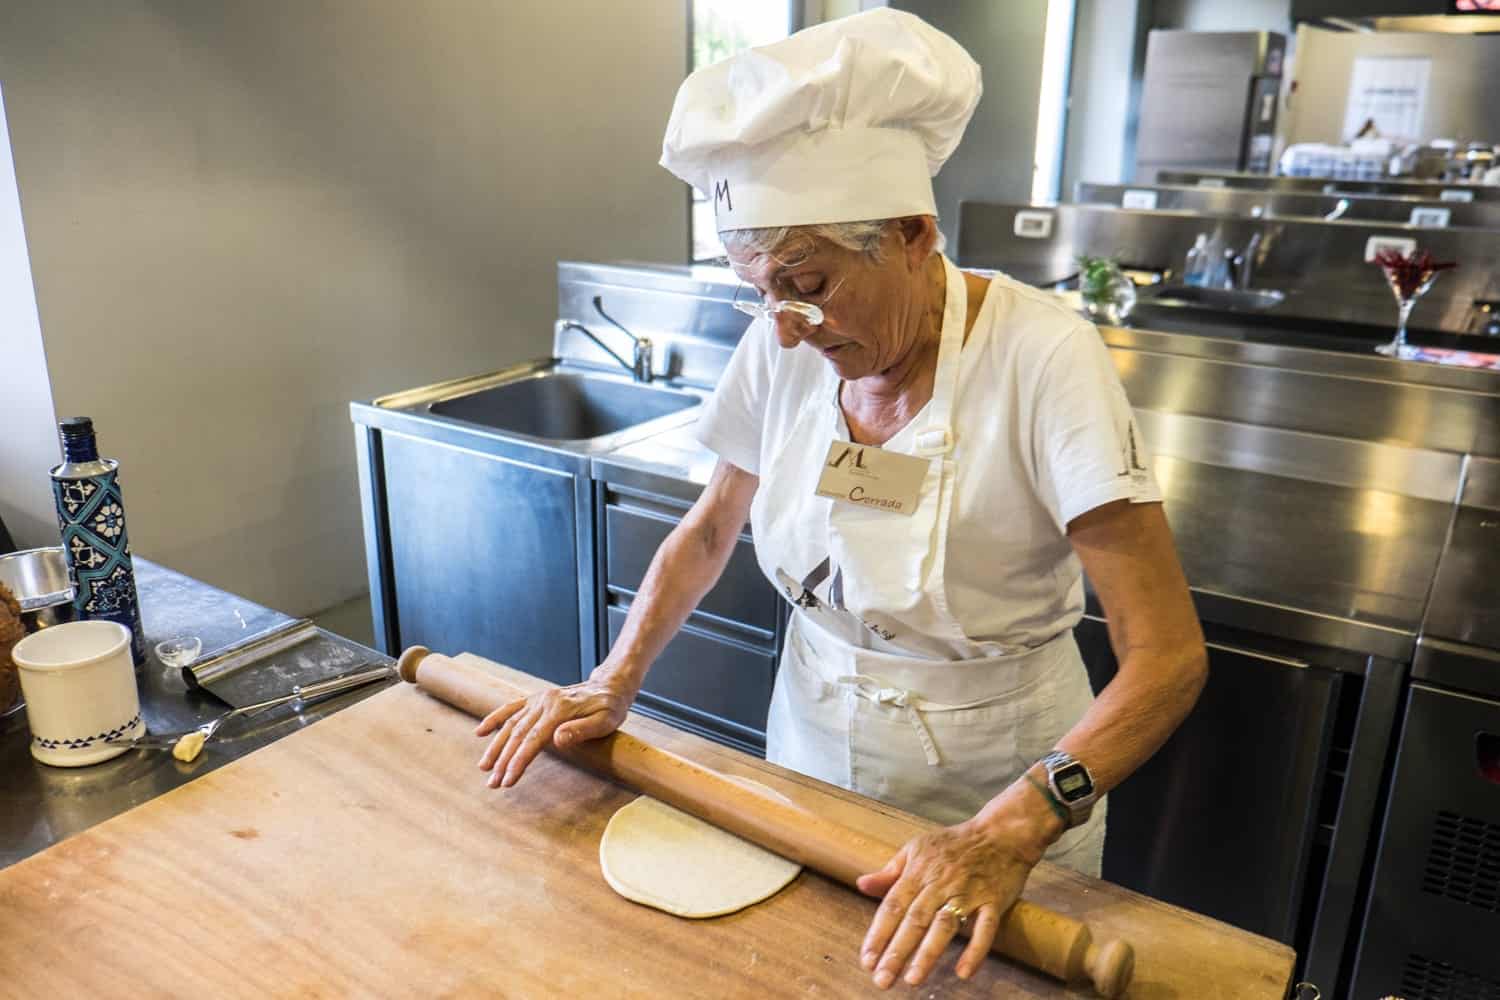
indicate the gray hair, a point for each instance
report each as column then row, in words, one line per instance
column 861, row 237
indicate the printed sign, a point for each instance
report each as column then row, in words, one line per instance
column 1390, row 91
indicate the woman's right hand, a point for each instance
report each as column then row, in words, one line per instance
column 562, row 716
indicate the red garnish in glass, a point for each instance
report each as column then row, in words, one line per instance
column 1407, row 274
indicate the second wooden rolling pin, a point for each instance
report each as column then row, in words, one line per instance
column 1033, row 935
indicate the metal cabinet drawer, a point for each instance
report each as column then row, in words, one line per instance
column 724, row 686
column 742, row 595
column 1433, row 918
column 1222, row 819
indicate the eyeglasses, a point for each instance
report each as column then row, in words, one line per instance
column 811, row 314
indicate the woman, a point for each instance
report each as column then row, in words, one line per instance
column 928, row 460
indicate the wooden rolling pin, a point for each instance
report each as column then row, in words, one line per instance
column 1033, row 935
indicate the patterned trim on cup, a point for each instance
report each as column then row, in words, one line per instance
column 84, row 744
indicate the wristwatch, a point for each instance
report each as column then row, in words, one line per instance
column 1072, row 785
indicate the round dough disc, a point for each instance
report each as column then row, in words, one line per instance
column 660, row 856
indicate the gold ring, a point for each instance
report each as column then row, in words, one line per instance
column 956, row 910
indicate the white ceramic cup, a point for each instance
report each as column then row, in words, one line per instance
column 79, row 683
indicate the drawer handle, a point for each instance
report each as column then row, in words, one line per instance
column 1255, row 654
column 1487, row 749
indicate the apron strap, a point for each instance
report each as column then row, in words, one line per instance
column 883, row 692
column 872, row 689
column 936, row 438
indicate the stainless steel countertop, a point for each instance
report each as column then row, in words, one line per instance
column 1305, row 561
column 1311, row 561
column 1465, row 605
column 41, row 805
column 1355, row 339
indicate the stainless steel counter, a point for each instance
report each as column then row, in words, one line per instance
column 1465, row 606
column 1303, row 560
column 41, row 805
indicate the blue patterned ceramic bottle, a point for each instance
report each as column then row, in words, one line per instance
column 92, row 518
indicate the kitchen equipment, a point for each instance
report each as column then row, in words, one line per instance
column 1209, row 101
column 300, row 693
column 1433, row 912
column 79, row 685
column 270, row 663
column 1030, row 934
column 488, row 892
column 561, row 406
column 39, row 580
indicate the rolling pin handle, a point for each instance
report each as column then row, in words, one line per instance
column 1110, row 966
column 410, row 658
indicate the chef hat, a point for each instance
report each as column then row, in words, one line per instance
column 841, row 122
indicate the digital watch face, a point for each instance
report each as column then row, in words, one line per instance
column 1073, row 782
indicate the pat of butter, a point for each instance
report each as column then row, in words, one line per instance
column 189, row 747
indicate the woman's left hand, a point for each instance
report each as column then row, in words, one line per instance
column 970, row 866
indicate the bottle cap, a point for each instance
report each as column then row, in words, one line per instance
column 78, row 439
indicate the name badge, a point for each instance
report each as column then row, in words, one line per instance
column 873, row 477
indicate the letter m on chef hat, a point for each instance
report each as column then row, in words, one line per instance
column 842, row 122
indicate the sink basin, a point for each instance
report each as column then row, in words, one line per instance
column 568, row 407
column 1230, row 299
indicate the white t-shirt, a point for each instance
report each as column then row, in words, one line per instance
column 1043, row 433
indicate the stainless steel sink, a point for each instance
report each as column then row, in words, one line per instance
column 575, row 408
column 1227, row 299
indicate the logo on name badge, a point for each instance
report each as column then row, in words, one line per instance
column 721, row 194
column 857, row 453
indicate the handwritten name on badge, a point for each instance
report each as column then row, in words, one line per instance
column 872, row 477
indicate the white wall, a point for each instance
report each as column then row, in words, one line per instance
column 27, row 445
column 243, row 214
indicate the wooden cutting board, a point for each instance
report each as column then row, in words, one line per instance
column 363, row 856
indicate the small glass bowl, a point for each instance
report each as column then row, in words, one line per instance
column 179, row 651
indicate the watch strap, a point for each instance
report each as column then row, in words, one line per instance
column 1060, row 810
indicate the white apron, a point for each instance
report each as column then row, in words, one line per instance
column 852, row 705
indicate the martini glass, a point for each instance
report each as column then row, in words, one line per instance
column 1408, row 278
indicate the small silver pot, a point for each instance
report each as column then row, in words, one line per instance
column 39, row 580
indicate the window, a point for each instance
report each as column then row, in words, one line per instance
column 720, row 28
column 1052, row 107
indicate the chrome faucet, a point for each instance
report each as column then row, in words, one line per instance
column 639, row 366
column 1337, row 212
column 1243, row 271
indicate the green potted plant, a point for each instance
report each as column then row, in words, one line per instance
column 1108, row 294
